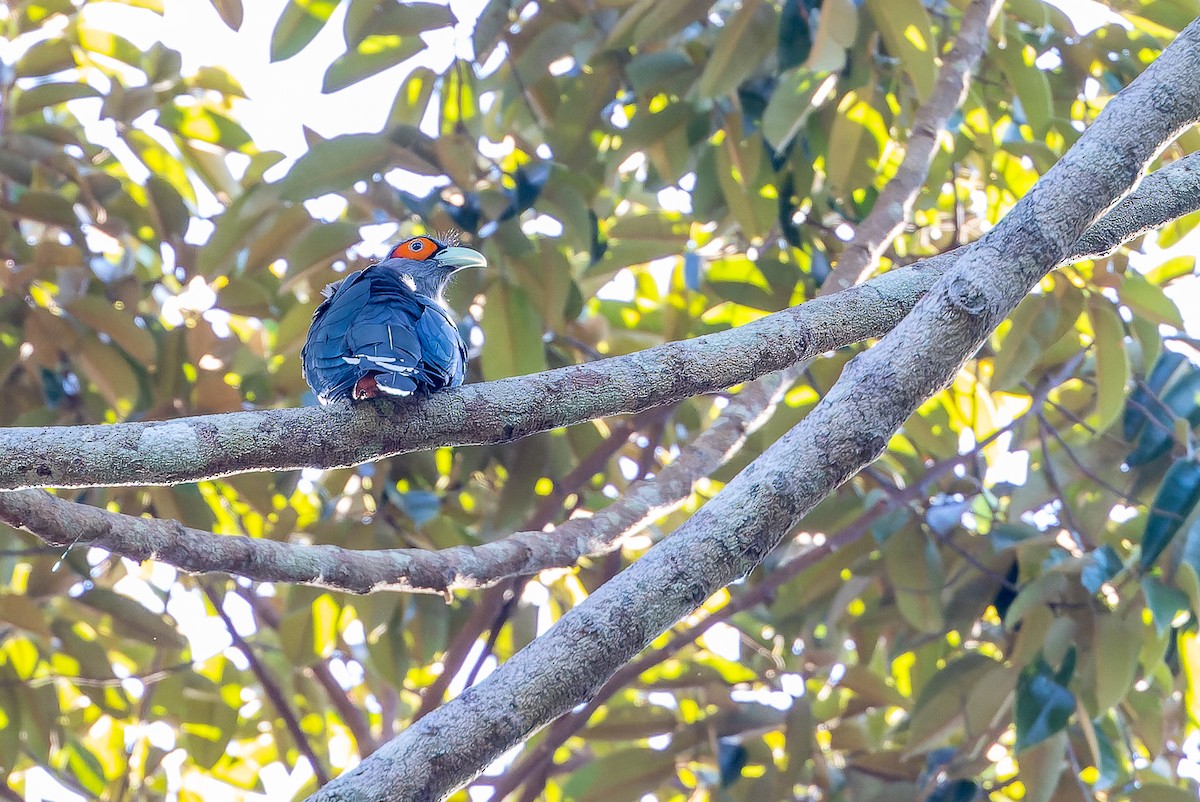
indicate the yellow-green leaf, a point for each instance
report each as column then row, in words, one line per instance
column 1149, row 301
column 44, row 58
column 512, row 334
column 39, row 97
column 298, row 25
column 908, row 34
column 1116, row 662
column 1112, row 361
column 373, row 55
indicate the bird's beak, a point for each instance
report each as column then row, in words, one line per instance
column 459, row 258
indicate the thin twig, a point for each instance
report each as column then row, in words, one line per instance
column 270, row 688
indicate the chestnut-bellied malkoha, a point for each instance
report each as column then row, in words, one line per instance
column 386, row 330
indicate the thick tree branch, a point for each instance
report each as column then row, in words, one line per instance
column 895, row 203
column 207, row 446
column 733, row 532
column 63, row 523
column 890, row 211
column 202, row 447
column 762, row 592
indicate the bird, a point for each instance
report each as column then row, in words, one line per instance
column 386, row 330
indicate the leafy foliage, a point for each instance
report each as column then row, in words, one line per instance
column 636, row 172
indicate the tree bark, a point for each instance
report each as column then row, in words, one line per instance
column 731, row 534
column 1164, row 195
column 208, row 446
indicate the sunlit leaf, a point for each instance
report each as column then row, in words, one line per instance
column 372, row 55
column 44, row 95
column 230, row 11
column 298, row 25
column 908, row 33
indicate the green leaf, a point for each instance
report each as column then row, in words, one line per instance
column 836, row 32
column 109, row 44
column 230, row 11
column 336, row 164
column 23, row 612
column 45, row 58
column 203, row 124
column 45, row 95
column 373, row 55
column 1044, row 705
column 109, row 372
column 1149, row 301
column 627, row 774
column 512, row 334
column 861, row 135
column 298, row 25
column 1173, row 503
column 727, row 66
column 1112, row 362
column 169, row 206
column 1157, row 792
column 1031, row 328
column 412, row 100
column 100, row 315
column 630, row 722
column 217, row 80
column 914, row 568
column 1145, row 395
column 797, row 94
column 1116, row 663
column 1171, row 269
column 1042, row 766
column 795, row 35
column 209, row 723
column 1031, row 84
column 85, row 768
column 246, row 296
column 45, row 207
column 406, row 19
column 1181, row 400
column 937, row 715
column 320, row 243
column 1010, row 535
column 908, row 34
column 1188, row 643
column 324, row 625
column 131, row 619
column 1164, row 601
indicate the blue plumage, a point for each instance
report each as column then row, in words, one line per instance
column 378, row 333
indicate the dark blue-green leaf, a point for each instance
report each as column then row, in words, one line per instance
column 1044, row 705
column 1173, row 503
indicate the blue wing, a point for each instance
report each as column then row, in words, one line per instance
column 374, row 324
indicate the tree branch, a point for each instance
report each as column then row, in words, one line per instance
column 207, row 446
column 761, row 593
column 850, row 427
column 895, row 203
column 352, row 715
column 62, row 523
column 271, row 688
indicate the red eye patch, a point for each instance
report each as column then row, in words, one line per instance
column 415, row 248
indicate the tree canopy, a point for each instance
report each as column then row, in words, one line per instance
column 699, row 218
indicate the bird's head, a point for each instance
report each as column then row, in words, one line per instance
column 430, row 263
